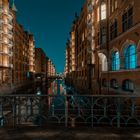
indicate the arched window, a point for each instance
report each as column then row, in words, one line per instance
column 114, row 84
column 115, row 61
column 103, row 62
column 103, row 11
column 128, row 85
column 130, row 57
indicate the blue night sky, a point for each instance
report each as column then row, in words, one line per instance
column 50, row 22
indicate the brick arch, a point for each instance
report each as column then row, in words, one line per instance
column 138, row 46
column 103, row 61
column 138, row 53
column 113, row 50
column 123, row 46
column 126, row 44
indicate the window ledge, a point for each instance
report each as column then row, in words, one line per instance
column 124, row 33
column 124, row 70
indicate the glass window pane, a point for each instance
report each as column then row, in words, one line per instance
column 130, row 57
column 115, row 61
column 103, row 11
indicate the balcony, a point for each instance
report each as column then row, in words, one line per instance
column 9, row 43
column 5, row 52
column 7, row 13
column 4, row 65
column 8, row 34
column 8, row 24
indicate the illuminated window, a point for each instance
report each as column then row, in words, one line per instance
column 115, row 61
column 111, row 6
column 103, row 62
column 83, row 37
column 116, row 4
column 98, row 14
column 1, row 59
column 103, row 11
column 97, row 1
column 130, row 57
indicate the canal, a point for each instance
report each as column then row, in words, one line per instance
column 57, row 87
column 61, row 105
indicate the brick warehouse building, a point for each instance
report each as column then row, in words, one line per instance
column 16, row 50
column 80, row 58
column 40, row 62
column 123, row 52
column 112, row 61
column 43, row 65
column 44, row 69
column 51, row 71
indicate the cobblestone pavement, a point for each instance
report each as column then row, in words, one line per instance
column 36, row 133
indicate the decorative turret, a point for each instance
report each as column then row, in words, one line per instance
column 14, row 6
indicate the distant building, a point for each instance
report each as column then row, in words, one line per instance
column 43, row 65
column 51, row 69
column 40, row 62
column 80, row 58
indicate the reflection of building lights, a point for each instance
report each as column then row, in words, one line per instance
column 38, row 92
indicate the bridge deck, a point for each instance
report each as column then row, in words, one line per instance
column 34, row 133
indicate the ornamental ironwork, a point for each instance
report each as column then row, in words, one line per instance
column 70, row 110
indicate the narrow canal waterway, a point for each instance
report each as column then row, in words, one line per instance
column 57, row 87
column 62, row 106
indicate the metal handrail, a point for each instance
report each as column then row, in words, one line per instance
column 70, row 110
column 96, row 96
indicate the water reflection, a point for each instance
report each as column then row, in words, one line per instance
column 57, row 87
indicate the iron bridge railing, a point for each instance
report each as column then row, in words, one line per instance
column 70, row 110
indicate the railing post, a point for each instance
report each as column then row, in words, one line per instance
column 133, row 108
column 118, row 112
column 19, row 110
column 1, row 113
column 31, row 106
column 14, row 112
column 26, row 108
column 52, row 110
column 92, row 111
column 66, row 112
column 105, row 107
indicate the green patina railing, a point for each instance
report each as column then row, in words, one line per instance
column 70, row 110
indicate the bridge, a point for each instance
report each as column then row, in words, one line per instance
column 70, row 110
column 53, row 78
